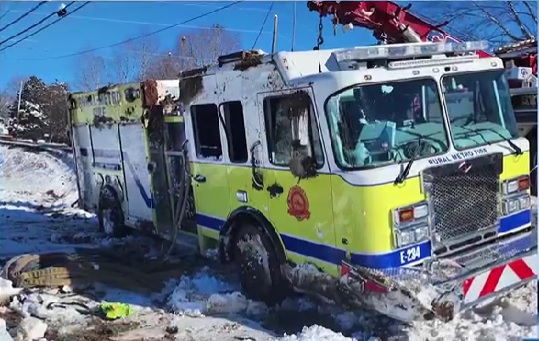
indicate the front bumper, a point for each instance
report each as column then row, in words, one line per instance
column 444, row 287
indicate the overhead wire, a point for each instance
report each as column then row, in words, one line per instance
column 139, row 36
column 263, row 24
column 44, row 27
column 41, row 3
column 36, row 24
column 5, row 13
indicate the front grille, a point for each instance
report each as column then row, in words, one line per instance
column 463, row 203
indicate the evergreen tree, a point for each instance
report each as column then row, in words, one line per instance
column 31, row 121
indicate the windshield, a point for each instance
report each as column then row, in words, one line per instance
column 479, row 108
column 377, row 124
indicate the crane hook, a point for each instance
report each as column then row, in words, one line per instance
column 320, row 40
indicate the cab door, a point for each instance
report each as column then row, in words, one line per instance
column 300, row 209
column 210, row 182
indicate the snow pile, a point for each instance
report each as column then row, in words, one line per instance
column 4, row 335
column 7, row 290
column 204, row 293
column 317, row 333
column 36, row 178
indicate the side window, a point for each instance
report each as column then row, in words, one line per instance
column 235, row 130
column 278, row 114
column 206, row 131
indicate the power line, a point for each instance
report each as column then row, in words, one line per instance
column 133, row 22
column 41, row 3
column 36, row 24
column 139, row 36
column 263, row 24
column 44, row 27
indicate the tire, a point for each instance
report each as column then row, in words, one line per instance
column 259, row 268
column 110, row 215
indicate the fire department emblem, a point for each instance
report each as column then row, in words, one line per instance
column 465, row 167
column 298, row 204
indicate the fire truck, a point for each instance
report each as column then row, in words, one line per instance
column 386, row 177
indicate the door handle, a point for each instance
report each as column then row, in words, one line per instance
column 200, row 178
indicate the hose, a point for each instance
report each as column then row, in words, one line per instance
column 179, row 211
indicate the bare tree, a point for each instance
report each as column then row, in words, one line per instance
column 195, row 48
column 167, row 66
column 132, row 60
column 498, row 22
column 141, row 59
column 203, row 46
column 91, row 72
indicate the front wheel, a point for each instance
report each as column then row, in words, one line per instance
column 110, row 215
column 260, row 272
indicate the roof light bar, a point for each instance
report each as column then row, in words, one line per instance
column 400, row 51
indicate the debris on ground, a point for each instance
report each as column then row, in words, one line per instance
column 115, row 310
column 30, row 328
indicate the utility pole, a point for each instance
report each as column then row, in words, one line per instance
column 18, row 110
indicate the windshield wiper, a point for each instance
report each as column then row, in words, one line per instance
column 516, row 148
column 404, row 173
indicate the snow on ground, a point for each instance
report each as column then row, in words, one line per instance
column 36, row 193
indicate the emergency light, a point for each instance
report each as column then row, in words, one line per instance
column 401, row 51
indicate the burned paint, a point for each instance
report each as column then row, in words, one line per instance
column 155, row 126
column 298, row 104
column 109, row 102
column 149, row 88
column 275, row 190
column 99, row 120
column 189, row 88
column 194, row 72
column 248, row 60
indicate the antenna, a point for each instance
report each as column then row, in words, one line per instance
column 274, row 44
column 294, row 27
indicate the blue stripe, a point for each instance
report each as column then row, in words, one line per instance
column 395, row 258
column 334, row 255
column 209, row 222
column 304, row 247
column 514, row 221
column 148, row 199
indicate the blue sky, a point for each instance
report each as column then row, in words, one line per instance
column 106, row 22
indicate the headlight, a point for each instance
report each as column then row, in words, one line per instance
column 514, row 185
column 515, row 204
column 412, row 235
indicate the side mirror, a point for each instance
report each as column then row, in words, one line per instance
column 301, row 164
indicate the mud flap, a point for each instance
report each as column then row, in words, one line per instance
column 406, row 297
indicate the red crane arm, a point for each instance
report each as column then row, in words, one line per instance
column 388, row 21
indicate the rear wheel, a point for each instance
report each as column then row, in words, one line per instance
column 110, row 215
column 259, row 267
